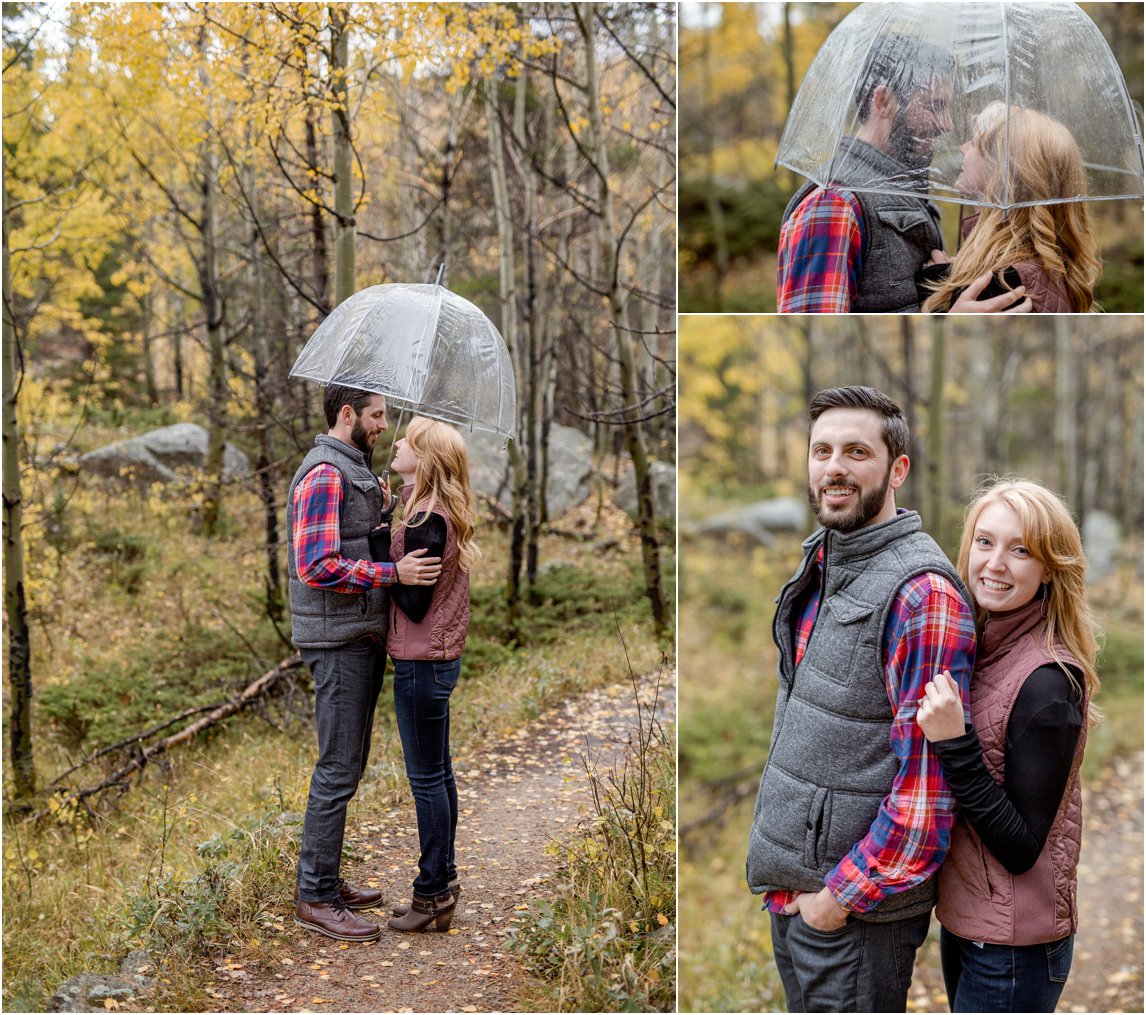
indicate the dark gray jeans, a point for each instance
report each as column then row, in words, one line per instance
column 347, row 681
column 860, row 967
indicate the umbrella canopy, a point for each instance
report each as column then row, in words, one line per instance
column 423, row 347
column 955, row 70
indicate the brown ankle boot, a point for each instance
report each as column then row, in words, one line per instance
column 426, row 913
column 335, row 920
column 455, row 891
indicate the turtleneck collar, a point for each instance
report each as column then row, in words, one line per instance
column 1001, row 630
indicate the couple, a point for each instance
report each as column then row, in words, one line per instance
column 874, row 779
column 843, row 251
column 348, row 607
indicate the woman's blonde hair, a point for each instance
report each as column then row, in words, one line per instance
column 443, row 478
column 1044, row 163
column 1052, row 538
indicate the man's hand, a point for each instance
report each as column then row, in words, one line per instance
column 819, row 910
column 940, row 714
column 968, row 303
column 417, row 569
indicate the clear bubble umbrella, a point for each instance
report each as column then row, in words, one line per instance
column 425, row 348
column 955, row 70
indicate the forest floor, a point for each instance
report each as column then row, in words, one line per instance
column 516, row 798
column 1106, row 975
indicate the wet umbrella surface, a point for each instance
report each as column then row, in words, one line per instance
column 918, row 80
column 423, row 347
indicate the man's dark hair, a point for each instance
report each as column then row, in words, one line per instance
column 854, row 396
column 335, row 396
column 904, row 64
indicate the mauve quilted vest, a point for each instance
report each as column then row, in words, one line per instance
column 441, row 634
column 979, row 899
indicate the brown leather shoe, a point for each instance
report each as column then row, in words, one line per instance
column 354, row 897
column 335, row 920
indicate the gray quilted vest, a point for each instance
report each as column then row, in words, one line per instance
column 900, row 229
column 321, row 618
column 830, row 764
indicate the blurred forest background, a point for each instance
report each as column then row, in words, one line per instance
column 741, row 65
column 189, row 189
column 1057, row 400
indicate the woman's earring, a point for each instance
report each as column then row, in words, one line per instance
column 1045, row 589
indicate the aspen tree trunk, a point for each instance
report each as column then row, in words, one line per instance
column 507, row 291
column 264, row 402
column 936, row 491
column 1066, row 453
column 909, row 495
column 534, row 392
column 344, row 224
column 15, row 606
column 217, row 389
column 320, row 260
column 609, row 245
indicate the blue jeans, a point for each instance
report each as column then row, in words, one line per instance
column 987, row 977
column 863, row 966
column 422, row 690
column 347, row 681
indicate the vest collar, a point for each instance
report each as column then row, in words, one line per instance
column 864, row 542
column 349, row 450
column 1002, row 631
column 862, row 164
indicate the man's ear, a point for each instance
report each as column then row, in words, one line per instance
column 346, row 414
column 899, row 470
column 883, row 102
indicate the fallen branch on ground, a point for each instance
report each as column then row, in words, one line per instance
column 120, row 778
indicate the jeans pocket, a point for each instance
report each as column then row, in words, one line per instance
column 446, row 673
column 1059, row 957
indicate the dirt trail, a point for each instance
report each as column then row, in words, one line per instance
column 1106, row 975
column 514, row 798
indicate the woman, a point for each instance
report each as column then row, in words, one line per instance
column 1007, row 889
column 427, row 634
column 1048, row 248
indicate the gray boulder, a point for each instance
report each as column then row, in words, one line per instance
column 664, row 490
column 570, row 466
column 89, row 991
column 160, row 455
column 1102, row 539
column 760, row 520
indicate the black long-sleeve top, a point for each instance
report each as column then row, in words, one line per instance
column 414, row 600
column 1014, row 819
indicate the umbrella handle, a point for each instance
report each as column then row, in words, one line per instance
column 441, row 272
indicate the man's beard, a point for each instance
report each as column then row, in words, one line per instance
column 905, row 144
column 358, row 439
column 869, row 505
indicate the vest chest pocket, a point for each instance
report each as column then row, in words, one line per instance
column 838, row 645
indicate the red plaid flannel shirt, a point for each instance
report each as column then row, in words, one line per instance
column 929, row 629
column 316, row 522
column 821, row 255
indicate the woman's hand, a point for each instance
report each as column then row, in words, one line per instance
column 937, row 257
column 940, row 714
column 1014, row 302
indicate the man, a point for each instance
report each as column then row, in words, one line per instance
column 844, row 251
column 340, row 613
column 853, row 816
